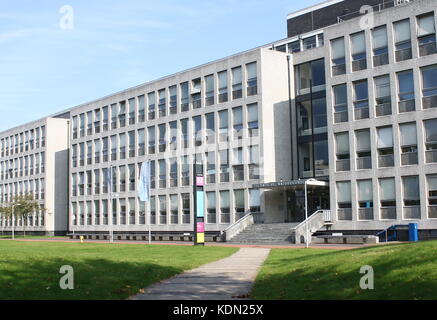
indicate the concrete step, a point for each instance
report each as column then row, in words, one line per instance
column 274, row 233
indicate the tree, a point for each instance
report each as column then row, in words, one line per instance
column 24, row 205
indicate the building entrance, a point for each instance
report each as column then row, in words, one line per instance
column 318, row 199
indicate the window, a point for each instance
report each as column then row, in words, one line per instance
column 152, row 174
column 387, row 197
column 162, row 105
column 237, row 83
column 197, row 131
column 162, row 173
column 225, row 216
column 151, row 97
column 223, row 86
column 209, row 90
column 97, row 151
column 223, row 126
column 185, row 97
column 342, row 151
column 211, row 216
column 184, row 132
column 97, row 120
column 408, row 136
column 426, row 35
column 311, row 73
column 338, row 57
column 237, row 115
column 105, row 119
column 152, row 210
column 196, row 93
column 131, row 111
column 131, row 170
column 210, row 128
column 340, row 103
column 122, row 171
column 406, row 91
column 432, row 196
column 173, row 172
column 344, row 202
column 105, row 150
column 380, row 46
column 364, row 159
column 185, row 207
column 173, row 100
column 151, row 139
column 122, row 114
column 382, row 96
column 254, row 201
column 252, row 83
column 162, row 137
column 358, row 44
column 224, row 165
column 74, row 130
column 173, row 127
column 141, row 109
column 365, row 200
column 252, row 120
column 162, row 209
column 185, row 171
column 131, row 136
column 210, row 167
column 141, row 142
column 411, row 197
column 385, row 147
column 431, row 140
column 122, row 146
column 254, row 170
column 402, row 40
column 174, row 209
column 239, row 204
column 361, row 101
column 114, row 115
column 238, row 167
column 429, row 87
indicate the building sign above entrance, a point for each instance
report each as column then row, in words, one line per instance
column 294, row 183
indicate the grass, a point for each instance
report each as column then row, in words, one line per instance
column 30, row 270
column 19, row 237
column 401, row 271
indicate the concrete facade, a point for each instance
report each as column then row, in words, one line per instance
column 37, row 163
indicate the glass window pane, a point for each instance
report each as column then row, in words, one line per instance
column 363, row 140
column 411, row 187
column 344, row 191
column 358, row 42
column 408, row 134
column 342, row 142
column 385, row 137
column 387, row 189
column 365, row 190
column 338, row 48
column 380, row 37
column 402, row 31
column 431, row 130
column 426, row 25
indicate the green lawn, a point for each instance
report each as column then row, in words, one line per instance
column 30, row 270
column 20, row 237
column 401, row 271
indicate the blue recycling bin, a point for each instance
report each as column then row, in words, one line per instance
column 413, row 232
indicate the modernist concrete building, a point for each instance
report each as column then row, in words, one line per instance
column 34, row 160
column 348, row 99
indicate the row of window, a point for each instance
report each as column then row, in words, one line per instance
column 406, row 96
column 23, row 142
column 35, row 187
column 165, row 101
column 171, row 209
column 426, row 36
column 22, row 167
column 385, row 146
column 387, row 193
column 170, row 173
column 209, row 129
column 36, row 219
column 302, row 43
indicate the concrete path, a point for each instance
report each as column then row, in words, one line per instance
column 226, row 279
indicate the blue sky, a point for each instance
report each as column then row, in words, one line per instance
column 115, row 45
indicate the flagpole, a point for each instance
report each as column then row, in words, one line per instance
column 150, row 222
column 110, row 215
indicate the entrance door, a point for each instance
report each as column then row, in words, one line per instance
column 318, row 199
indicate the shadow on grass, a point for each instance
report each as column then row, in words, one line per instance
column 402, row 271
column 93, row 279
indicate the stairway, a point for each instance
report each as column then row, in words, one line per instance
column 269, row 234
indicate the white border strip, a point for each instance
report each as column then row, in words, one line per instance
column 313, row 8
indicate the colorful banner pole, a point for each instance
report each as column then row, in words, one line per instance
column 199, row 205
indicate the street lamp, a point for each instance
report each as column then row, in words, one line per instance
column 306, row 213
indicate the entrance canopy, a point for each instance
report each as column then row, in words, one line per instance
column 292, row 185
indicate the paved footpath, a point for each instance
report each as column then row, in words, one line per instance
column 226, row 279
